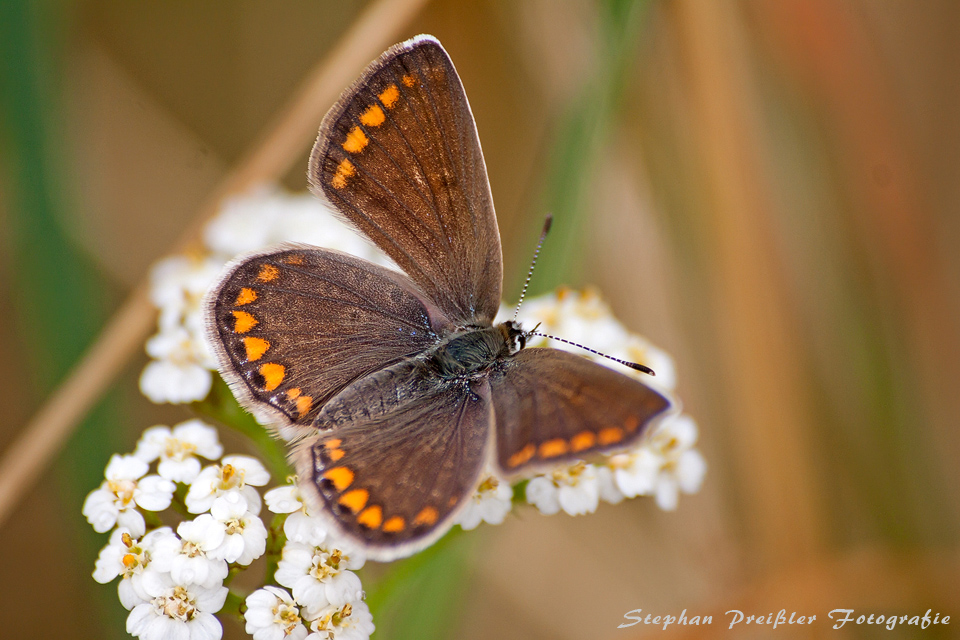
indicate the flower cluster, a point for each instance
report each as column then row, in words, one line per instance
column 327, row 601
column 182, row 362
column 174, row 581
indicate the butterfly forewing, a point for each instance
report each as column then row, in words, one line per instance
column 397, row 456
column 399, row 157
column 294, row 327
column 552, row 407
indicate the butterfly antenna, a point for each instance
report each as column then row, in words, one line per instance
column 633, row 365
column 543, row 236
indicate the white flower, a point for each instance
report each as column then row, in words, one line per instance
column 663, row 465
column 123, row 490
column 576, row 490
column 180, row 371
column 681, row 466
column 635, row 473
column 235, row 474
column 244, row 535
column 178, row 449
column 491, row 503
column 273, row 615
column 609, row 491
column 178, row 612
column 191, row 562
column 319, row 576
column 352, row 621
column 178, row 284
column 177, row 375
column 299, row 526
column 140, row 563
column 268, row 216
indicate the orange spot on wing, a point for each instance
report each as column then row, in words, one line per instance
column 354, row 500
column 522, row 456
column 293, row 394
column 394, row 524
column 583, row 440
column 610, row 435
column 294, row 258
column 333, row 444
column 246, row 296
column 409, row 80
column 371, row 517
column 631, row 424
column 255, row 347
column 335, row 454
column 389, row 97
column 341, row 477
column 272, row 373
column 356, row 141
column 344, row 170
column 244, row 321
column 427, row 516
column 553, row 448
column 268, row 273
column 303, row 405
column 373, row 116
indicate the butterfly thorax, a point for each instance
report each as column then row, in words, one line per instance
column 477, row 348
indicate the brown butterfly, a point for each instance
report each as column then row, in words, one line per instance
column 402, row 381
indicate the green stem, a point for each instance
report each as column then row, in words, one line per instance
column 234, row 606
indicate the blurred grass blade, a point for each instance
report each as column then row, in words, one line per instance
column 580, row 142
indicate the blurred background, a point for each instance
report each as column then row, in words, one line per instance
column 767, row 189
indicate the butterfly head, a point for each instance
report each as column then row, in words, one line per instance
column 515, row 336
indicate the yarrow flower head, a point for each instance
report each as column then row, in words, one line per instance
column 320, row 576
column 178, row 449
column 236, row 475
column 140, row 563
column 491, row 503
column 351, row 621
column 272, row 614
column 575, row 489
column 178, row 611
column 124, row 489
column 300, row 525
column 193, row 561
column 182, row 359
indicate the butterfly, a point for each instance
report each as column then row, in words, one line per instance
column 402, row 387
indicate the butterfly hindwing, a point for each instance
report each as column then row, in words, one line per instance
column 396, row 457
column 293, row 327
column 553, row 406
column 399, row 157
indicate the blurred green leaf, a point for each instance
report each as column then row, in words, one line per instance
column 419, row 597
column 59, row 299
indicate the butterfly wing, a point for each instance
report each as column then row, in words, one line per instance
column 553, row 406
column 293, row 327
column 399, row 157
column 398, row 454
